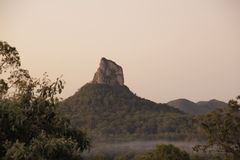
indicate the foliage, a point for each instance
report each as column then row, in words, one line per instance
column 30, row 127
column 223, row 129
column 164, row 152
column 160, row 152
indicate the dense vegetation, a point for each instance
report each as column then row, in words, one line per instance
column 223, row 129
column 30, row 127
column 114, row 111
column 164, row 152
column 159, row 152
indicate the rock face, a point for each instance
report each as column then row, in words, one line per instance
column 109, row 73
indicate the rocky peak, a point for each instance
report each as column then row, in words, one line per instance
column 109, row 73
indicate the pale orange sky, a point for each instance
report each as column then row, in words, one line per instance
column 168, row 48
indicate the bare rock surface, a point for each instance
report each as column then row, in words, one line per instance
column 109, row 73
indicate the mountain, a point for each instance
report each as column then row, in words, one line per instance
column 201, row 107
column 107, row 109
column 184, row 105
column 209, row 106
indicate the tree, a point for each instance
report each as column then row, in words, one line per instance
column 222, row 128
column 164, row 152
column 30, row 127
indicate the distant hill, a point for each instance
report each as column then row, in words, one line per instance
column 184, row 105
column 201, row 107
column 107, row 109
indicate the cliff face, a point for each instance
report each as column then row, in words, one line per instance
column 109, row 73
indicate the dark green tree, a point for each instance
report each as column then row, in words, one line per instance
column 164, row 152
column 222, row 128
column 30, row 127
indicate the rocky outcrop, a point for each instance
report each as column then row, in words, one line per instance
column 109, row 73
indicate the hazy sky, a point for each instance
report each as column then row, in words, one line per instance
column 168, row 48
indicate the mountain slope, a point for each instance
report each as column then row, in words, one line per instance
column 184, row 105
column 201, row 107
column 114, row 111
column 209, row 106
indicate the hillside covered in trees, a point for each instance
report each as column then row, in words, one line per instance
column 106, row 108
column 114, row 111
column 201, row 107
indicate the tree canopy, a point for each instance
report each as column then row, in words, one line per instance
column 30, row 127
column 222, row 128
column 164, row 152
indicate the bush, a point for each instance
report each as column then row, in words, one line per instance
column 164, row 152
column 30, row 127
